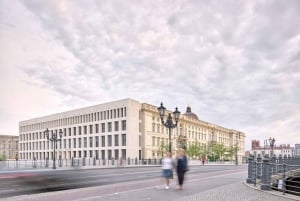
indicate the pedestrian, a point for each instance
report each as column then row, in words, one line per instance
column 167, row 168
column 181, row 168
column 203, row 160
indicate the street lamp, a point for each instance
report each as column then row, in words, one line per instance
column 236, row 149
column 272, row 143
column 54, row 139
column 169, row 123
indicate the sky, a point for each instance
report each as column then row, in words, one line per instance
column 236, row 63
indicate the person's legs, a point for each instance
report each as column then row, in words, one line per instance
column 180, row 179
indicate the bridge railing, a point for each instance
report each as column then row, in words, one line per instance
column 78, row 162
column 275, row 173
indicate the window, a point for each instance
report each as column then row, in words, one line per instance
column 74, row 130
column 109, row 126
column 109, row 154
column 79, row 130
column 116, row 126
column 123, row 139
column 97, row 141
column 109, row 140
column 74, row 143
column 69, row 144
column 85, row 129
column 103, row 127
column 91, row 153
column 69, row 131
column 123, row 125
column 102, row 154
column 153, row 141
column 124, row 153
column 91, row 142
column 97, row 128
column 79, row 142
column 116, row 154
column 116, row 140
column 85, row 142
column 65, row 143
column 91, row 129
column 103, row 141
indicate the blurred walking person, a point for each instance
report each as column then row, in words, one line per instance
column 167, row 168
column 181, row 167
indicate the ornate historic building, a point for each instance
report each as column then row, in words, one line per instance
column 9, row 146
column 118, row 129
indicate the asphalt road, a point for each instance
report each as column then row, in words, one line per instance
column 20, row 182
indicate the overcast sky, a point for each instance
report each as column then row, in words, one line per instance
column 236, row 63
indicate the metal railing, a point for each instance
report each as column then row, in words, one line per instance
column 77, row 162
column 275, row 173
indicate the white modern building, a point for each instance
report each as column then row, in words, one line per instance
column 118, row 129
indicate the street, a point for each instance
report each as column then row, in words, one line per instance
column 39, row 181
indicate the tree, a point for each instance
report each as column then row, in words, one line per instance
column 2, row 157
column 163, row 148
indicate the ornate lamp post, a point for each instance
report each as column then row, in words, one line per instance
column 54, row 139
column 169, row 122
column 272, row 143
column 236, row 149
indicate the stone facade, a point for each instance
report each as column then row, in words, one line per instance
column 9, row 146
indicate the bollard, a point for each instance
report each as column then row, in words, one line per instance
column 265, row 180
column 259, row 166
column 250, row 167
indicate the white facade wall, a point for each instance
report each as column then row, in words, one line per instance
column 33, row 143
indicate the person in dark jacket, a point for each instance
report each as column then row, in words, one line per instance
column 181, row 167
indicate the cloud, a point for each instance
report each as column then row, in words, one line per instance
column 236, row 63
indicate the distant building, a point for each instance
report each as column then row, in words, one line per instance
column 119, row 129
column 9, row 146
column 297, row 149
column 281, row 149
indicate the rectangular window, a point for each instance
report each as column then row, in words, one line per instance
column 74, row 143
column 109, row 154
column 103, row 127
column 97, row 128
column 114, row 113
column 91, row 129
column 91, row 142
column 123, row 153
column 69, row 144
column 153, row 141
column 85, row 129
column 109, row 126
column 97, row 141
column 123, row 139
column 65, row 143
column 85, row 142
column 116, row 126
column 74, row 130
column 103, row 141
column 102, row 154
column 91, row 153
column 109, row 140
column 79, row 130
column 65, row 132
column 70, row 132
column 116, row 154
column 116, row 140
column 123, row 125
column 79, row 142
